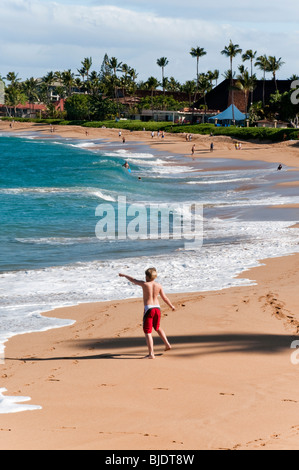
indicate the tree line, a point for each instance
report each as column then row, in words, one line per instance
column 102, row 89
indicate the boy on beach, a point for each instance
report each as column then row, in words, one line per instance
column 152, row 311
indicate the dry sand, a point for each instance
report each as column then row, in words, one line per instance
column 286, row 153
column 228, row 382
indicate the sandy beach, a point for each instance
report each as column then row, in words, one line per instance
column 228, row 382
column 286, row 153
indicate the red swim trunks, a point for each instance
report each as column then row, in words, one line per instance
column 152, row 318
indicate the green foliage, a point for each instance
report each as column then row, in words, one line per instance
column 86, row 107
column 161, row 103
column 78, row 107
column 240, row 133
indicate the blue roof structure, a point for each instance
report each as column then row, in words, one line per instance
column 227, row 115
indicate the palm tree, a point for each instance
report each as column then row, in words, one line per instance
column 133, row 77
column 14, row 94
column 48, row 81
column 87, row 63
column 152, row 84
column 30, row 89
column 94, row 84
column 163, row 62
column 292, row 77
column 174, row 85
column 204, row 86
column 263, row 64
column 67, row 78
column 82, row 73
column 246, row 83
column 231, row 51
column 190, row 87
column 114, row 66
column 214, row 76
column 273, row 66
column 197, row 52
column 228, row 75
column 249, row 55
column 12, row 77
column 124, row 80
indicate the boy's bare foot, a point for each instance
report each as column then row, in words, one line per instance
column 167, row 348
column 149, row 356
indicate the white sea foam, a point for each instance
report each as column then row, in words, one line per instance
column 83, row 145
column 226, row 181
column 125, row 154
column 231, row 246
column 14, row 404
column 215, row 266
column 57, row 240
column 79, row 191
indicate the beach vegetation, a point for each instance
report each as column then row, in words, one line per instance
column 197, row 52
column 231, row 51
column 87, row 107
column 113, row 92
column 163, row 62
column 161, row 103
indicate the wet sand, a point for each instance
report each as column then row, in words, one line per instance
column 228, row 383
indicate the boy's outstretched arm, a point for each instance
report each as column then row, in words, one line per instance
column 131, row 279
column 166, row 299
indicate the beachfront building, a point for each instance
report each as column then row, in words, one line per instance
column 222, row 96
column 183, row 116
column 272, row 124
column 29, row 110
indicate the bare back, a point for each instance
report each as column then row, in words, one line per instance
column 151, row 292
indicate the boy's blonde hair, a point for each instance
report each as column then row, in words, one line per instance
column 151, row 274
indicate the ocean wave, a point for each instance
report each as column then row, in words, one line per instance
column 227, row 181
column 57, row 240
column 127, row 154
column 79, row 191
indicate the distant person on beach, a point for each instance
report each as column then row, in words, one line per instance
column 211, row 147
column 193, row 150
column 152, row 310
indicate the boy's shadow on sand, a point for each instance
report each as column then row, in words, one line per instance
column 183, row 346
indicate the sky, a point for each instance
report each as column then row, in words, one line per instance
column 38, row 36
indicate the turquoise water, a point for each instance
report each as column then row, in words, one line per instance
column 50, row 189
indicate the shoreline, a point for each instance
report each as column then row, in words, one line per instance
column 176, row 143
column 229, row 369
column 120, row 325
